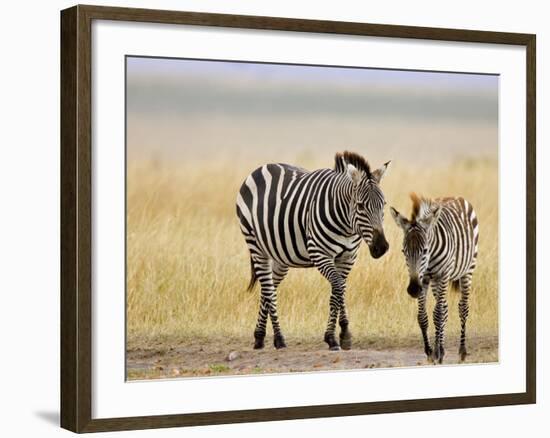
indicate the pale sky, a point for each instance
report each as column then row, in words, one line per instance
column 289, row 73
column 176, row 86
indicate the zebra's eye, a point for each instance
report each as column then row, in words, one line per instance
column 425, row 251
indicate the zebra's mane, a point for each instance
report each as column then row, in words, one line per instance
column 341, row 160
column 421, row 207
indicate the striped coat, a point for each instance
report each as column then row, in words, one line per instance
column 291, row 217
column 440, row 245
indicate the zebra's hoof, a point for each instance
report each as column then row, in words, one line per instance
column 462, row 353
column 437, row 355
column 331, row 341
column 258, row 344
column 345, row 343
column 259, row 341
column 429, row 353
column 345, row 340
column 279, row 342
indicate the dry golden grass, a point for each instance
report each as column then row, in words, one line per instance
column 188, row 265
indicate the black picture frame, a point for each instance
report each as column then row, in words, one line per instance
column 76, row 217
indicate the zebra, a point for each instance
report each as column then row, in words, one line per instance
column 291, row 217
column 440, row 246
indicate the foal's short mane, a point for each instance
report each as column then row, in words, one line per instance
column 421, row 206
column 416, row 200
column 341, row 160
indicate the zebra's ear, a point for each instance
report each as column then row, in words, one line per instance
column 399, row 219
column 354, row 174
column 433, row 217
column 378, row 174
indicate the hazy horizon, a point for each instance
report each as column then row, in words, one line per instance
column 179, row 108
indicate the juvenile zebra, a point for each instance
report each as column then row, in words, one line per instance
column 440, row 247
column 291, row 217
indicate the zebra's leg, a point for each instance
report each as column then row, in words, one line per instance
column 345, row 333
column 279, row 273
column 463, row 310
column 326, row 266
column 440, row 315
column 344, row 269
column 423, row 318
column 263, row 272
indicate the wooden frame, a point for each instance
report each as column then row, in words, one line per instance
column 76, row 168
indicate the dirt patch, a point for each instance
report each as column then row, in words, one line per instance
column 194, row 358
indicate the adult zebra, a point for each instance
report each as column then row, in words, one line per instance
column 440, row 246
column 291, row 217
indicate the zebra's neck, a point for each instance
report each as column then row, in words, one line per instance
column 345, row 197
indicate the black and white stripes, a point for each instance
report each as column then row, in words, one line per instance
column 440, row 246
column 291, row 217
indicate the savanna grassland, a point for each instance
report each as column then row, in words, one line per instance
column 188, row 269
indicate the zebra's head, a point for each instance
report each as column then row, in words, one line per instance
column 418, row 234
column 367, row 209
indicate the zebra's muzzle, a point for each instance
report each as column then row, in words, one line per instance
column 414, row 288
column 379, row 245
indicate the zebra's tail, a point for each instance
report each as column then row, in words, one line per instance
column 253, row 277
column 455, row 285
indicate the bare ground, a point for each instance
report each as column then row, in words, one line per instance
column 166, row 358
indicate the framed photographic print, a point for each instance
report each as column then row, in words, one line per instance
column 270, row 218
